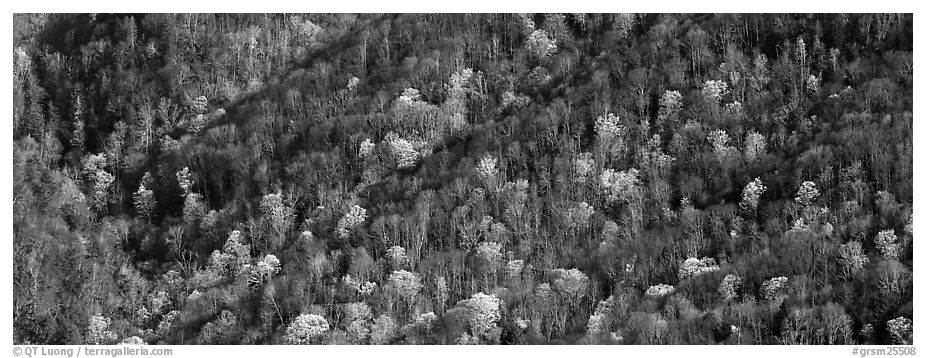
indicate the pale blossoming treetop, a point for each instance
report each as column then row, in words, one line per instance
column 487, row 169
column 807, row 193
column 540, row 44
column 728, row 287
column 98, row 331
column 620, row 186
column 571, row 283
column 514, row 267
column 694, row 267
column 901, row 330
column 352, row 83
column 405, row 284
column 305, row 328
column 670, row 103
column 660, row 290
column 584, row 167
column 770, row 289
column 887, row 244
column 409, row 97
column 353, row 218
column 751, row 194
column 714, row 89
column 754, row 147
column 491, row 253
column 609, row 128
column 480, row 313
column 853, row 257
column 459, row 82
column 185, row 179
column 366, row 148
column 597, row 321
column 397, row 257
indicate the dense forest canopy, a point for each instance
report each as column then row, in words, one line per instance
column 461, row 179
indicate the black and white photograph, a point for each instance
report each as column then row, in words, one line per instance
column 432, row 179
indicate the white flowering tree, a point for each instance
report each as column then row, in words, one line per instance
column 264, row 270
column 852, row 257
column 751, row 194
column 222, row 330
column 97, row 179
column 491, row 254
column 599, row 321
column 306, row 329
column 454, row 107
column 78, row 135
column 397, row 257
column 166, row 326
column 405, row 286
column 621, row 186
column 352, row 84
column 356, row 286
column 625, row 187
column 406, row 152
column 409, row 98
column 199, row 105
column 813, row 85
column 193, row 208
column 366, row 149
column 98, row 331
column 584, row 167
column 413, row 115
column 610, row 137
column 572, row 284
column 133, row 341
column 479, row 314
column 887, row 244
column 367, row 288
column 569, row 288
column 725, row 153
column 735, row 110
column 144, row 198
column 351, row 220
column 513, row 270
column 419, row 328
column 693, row 266
column 728, row 287
column 384, row 329
column 358, row 319
column 660, row 290
column 232, row 261
column 901, row 330
column 279, row 214
column 670, row 104
column 771, row 288
column 577, row 217
column 754, row 146
column 540, row 45
column 487, row 172
column 510, row 99
column 807, row 193
column 714, row 90
column 655, row 162
column 893, row 277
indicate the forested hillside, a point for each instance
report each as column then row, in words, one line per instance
column 463, row 179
